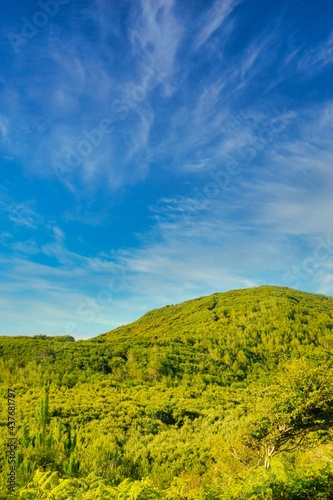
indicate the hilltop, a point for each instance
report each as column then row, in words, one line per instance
column 226, row 396
column 252, row 306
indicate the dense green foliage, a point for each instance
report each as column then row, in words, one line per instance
column 223, row 397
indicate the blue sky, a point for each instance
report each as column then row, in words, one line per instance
column 156, row 151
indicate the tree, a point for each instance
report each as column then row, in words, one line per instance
column 299, row 402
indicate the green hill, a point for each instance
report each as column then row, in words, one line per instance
column 253, row 305
column 227, row 396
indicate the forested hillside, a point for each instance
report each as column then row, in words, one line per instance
column 223, row 397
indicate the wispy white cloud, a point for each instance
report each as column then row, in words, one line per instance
column 75, row 296
column 215, row 18
column 83, row 88
column 210, row 127
column 298, row 179
column 315, row 59
column 287, row 198
column 3, row 128
column 155, row 36
column 21, row 214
